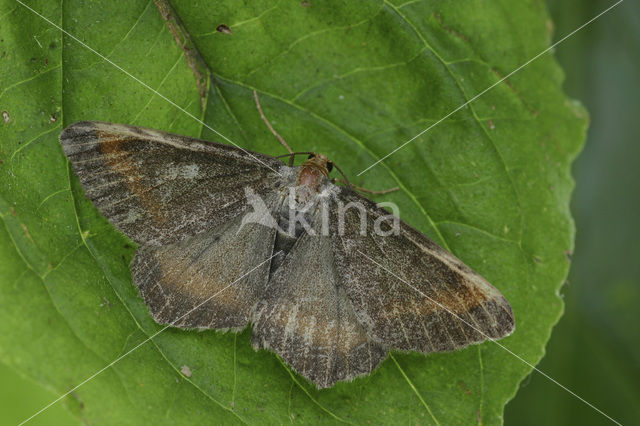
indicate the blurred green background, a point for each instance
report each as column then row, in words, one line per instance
column 595, row 349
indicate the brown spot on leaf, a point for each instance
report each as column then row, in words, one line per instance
column 5, row 116
column 224, row 29
column 567, row 255
column 78, row 400
column 26, row 231
column 510, row 86
column 464, row 387
column 449, row 29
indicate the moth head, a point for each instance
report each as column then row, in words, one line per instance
column 320, row 162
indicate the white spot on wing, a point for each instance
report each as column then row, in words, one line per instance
column 189, row 171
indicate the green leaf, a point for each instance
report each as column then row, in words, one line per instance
column 352, row 80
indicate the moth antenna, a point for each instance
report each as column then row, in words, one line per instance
column 280, row 138
column 369, row 191
column 292, row 155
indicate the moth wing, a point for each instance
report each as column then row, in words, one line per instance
column 450, row 306
column 157, row 187
column 210, row 280
column 306, row 319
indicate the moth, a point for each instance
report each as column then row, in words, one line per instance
column 331, row 295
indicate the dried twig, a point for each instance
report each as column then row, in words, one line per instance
column 280, row 138
column 198, row 66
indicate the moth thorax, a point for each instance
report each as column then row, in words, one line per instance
column 313, row 172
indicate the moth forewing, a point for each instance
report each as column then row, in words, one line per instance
column 159, row 188
column 389, row 221
column 411, row 294
column 342, row 209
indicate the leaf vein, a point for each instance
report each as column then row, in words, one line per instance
column 26, row 80
column 153, row 94
column 413, row 388
column 305, row 37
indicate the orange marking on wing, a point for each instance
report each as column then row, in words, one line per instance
column 457, row 302
column 194, row 281
column 111, row 145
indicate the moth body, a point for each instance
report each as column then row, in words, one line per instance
column 299, row 205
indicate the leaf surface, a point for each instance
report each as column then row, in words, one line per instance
column 352, row 80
